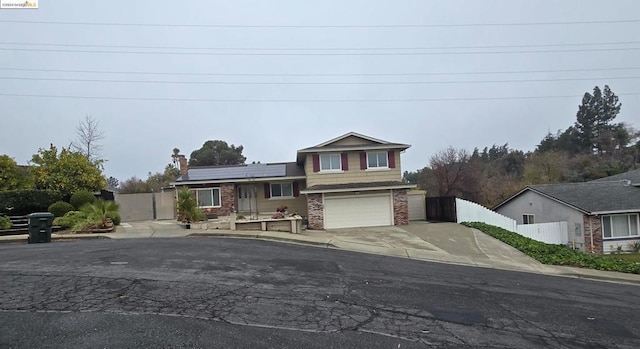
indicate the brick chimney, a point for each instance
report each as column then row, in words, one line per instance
column 183, row 164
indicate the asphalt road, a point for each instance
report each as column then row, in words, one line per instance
column 232, row 293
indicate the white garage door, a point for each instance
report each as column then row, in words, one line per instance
column 357, row 211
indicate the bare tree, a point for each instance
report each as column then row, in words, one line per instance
column 88, row 137
column 456, row 174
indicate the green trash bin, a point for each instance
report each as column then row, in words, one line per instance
column 40, row 227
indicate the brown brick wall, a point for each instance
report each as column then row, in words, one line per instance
column 400, row 207
column 227, row 200
column 593, row 225
column 315, row 210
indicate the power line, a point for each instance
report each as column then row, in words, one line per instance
column 321, row 48
column 311, row 26
column 317, row 82
column 324, row 53
column 299, row 100
column 319, row 74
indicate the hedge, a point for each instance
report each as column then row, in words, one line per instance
column 60, row 208
column 23, row 202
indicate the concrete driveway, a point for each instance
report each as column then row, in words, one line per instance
column 442, row 242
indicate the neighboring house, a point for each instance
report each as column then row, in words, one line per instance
column 601, row 214
column 350, row 181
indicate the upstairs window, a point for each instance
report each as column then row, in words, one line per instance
column 330, row 162
column 377, row 160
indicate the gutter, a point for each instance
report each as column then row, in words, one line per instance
column 616, row 212
column 320, row 191
column 240, row 180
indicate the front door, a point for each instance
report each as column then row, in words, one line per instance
column 247, row 198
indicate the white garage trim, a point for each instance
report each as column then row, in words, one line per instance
column 364, row 210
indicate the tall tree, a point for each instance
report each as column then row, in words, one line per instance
column 157, row 181
column 133, row 185
column 66, row 171
column 88, row 137
column 217, row 152
column 12, row 176
column 175, row 157
column 594, row 118
column 112, row 183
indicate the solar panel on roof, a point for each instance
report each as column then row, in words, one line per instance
column 237, row 172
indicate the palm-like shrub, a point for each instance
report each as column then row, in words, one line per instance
column 99, row 211
column 187, row 205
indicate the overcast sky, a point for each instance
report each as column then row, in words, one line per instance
column 269, row 120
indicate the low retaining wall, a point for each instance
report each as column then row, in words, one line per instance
column 290, row 225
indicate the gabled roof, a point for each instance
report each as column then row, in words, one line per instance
column 632, row 176
column 596, row 197
column 240, row 173
column 334, row 145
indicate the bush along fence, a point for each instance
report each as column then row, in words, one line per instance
column 551, row 233
column 556, row 254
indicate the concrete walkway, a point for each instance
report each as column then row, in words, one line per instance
column 435, row 242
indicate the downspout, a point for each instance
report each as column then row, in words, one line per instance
column 591, row 232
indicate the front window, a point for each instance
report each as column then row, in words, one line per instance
column 209, row 197
column 281, row 190
column 527, row 219
column 330, row 162
column 377, row 160
column 620, row 226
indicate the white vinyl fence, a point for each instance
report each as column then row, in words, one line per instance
column 550, row 233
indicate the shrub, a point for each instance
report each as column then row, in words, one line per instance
column 23, row 202
column 556, row 254
column 98, row 211
column 79, row 198
column 115, row 217
column 635, row 246
column 59, row 208
column 71, row 219
column 5, row 222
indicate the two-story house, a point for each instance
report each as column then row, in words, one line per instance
column 349, row 181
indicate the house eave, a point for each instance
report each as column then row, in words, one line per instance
column 240, row 180
column 600, row 213
column 353, row 148
column 345, row 190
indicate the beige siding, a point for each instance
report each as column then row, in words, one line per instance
column 372, row 192
column 352, row 140
column 295, row 205
column 354, row 174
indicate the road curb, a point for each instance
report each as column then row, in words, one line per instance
column 56, row 238
column 265, row 237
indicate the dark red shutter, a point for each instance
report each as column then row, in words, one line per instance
column 363, row 161
column 316, row 162
column 296, row 189
column 267, row 190
column 392, row 159
column 345, row 161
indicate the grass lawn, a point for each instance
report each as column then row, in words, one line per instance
column 634, row 257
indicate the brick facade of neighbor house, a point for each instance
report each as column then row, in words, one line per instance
column 593, row 225
column 315, row 209
column 227, row 201
column 400, row 207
